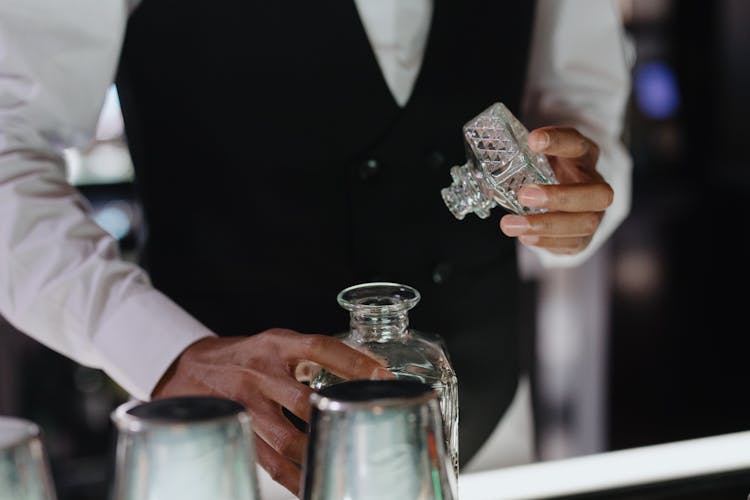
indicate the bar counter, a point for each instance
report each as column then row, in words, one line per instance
column 710, row 468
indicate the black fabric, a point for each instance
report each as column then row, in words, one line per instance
column 275, row 169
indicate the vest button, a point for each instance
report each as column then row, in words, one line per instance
column 442, row 273
column 369, row 169
column 435, row 160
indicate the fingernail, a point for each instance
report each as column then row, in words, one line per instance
column 540, row 140
column 532, row 196
column 513, row 225
column 381, row 374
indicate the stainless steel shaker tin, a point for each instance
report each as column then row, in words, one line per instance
column 191, row 448
column 24, row 468
column 377, row 439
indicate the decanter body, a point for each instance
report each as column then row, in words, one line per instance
column 379, row 325
column 499, row 162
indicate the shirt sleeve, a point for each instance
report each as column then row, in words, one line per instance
column 579, row 76
column 62, row 280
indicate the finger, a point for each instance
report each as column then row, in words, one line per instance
column 555, row 224
column 562, row 141
column 584, row 197
column 292, row 395
column 277, row 431
column 279, row 468
column 563, row 246
column 337, row 357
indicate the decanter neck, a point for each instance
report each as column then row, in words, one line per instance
column 378, row 327
column 378, row 311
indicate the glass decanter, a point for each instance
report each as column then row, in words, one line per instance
column 379, row 323
column 499, row 162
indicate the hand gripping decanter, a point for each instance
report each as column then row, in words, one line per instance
column 379, row 325
column 499, row 162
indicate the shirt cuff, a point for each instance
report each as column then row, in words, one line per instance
column 141, row 339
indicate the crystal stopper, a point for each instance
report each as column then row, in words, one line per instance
column 499, row 162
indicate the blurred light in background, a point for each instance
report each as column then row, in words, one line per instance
column 656, row 90
column 107, row 159
column 116, row 218
column 111, row 125
column 638, row 274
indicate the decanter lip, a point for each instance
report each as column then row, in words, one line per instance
column 380, row 297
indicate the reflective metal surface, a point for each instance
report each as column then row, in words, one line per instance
column 377, row 439
column 184, row 448
column 24, row 469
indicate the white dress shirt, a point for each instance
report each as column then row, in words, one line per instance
column 62, row 280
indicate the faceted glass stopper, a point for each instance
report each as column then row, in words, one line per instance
column 499, row 162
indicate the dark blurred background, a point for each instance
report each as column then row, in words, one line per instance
column 678, row 338
column 674, row 340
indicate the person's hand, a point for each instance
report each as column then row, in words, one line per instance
column 576, row 205
column 258, row 372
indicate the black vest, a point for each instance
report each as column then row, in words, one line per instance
column 275, row 169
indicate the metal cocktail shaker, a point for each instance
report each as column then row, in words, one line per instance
column 377, row 439
column 24, row 470
column 184, row 448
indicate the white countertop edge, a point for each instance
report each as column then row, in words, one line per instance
column 614, row 469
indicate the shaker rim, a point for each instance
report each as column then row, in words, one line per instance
column 127, row 422
column 325, row 402
column 28, row 431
